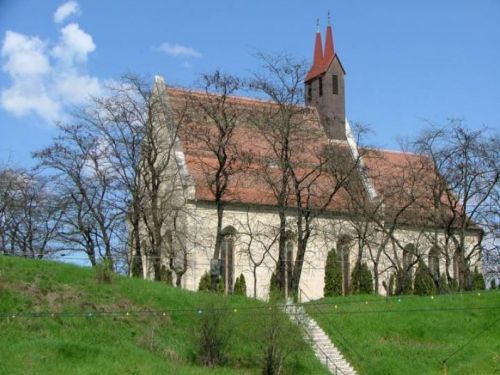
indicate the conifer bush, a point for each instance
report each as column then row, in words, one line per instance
column 333, row 275
column 453, row 285
column 492, row 284
column 477, row 280
column 443, row 284
column 274, row 289
column 362, row 281
column 403, row 283
column 240, row 286
column 136, row 266
column 424, row 283
column 204, row 284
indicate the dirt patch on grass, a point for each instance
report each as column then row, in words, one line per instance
column 42, row 299
column 63, row 298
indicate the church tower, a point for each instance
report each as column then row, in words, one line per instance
column 324, row 87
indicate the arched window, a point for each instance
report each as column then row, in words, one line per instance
column 343, row 257
column 227, row 257
column 434, row 261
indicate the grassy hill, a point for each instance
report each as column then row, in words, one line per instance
column 412, row 335
column 116, row 343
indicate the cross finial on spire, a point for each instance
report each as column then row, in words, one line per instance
column 317, row 25
column 328, row 18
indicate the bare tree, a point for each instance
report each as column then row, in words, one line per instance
column 79, row 160
column 120, row 177
column 220, row 116
column 120, row 120
column 278, row 123
column 305, row 173
column 30, row 213
column 467, row 175
column 399, row 205
column 490, row 217
column 162, row 199
column 258, row 240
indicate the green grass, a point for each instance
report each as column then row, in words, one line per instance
column 413, row 335
column 145, row 344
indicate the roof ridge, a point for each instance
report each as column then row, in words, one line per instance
column 247, row 99
column 391, row 151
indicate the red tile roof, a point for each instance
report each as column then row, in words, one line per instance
column 253, row 164
column 410, row 188
column 396, row 176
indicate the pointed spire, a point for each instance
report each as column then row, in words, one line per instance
column 318, row 50
column 318, row 64
column 329, row 50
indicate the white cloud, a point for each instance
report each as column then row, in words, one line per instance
column 25, row 97
column 66, row 10
column 178, row 50
column 24, row 55
column 45, row 78
column 74, row 45
column 75, row 88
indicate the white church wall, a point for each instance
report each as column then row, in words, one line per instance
column 263, row 222
column 199, row 222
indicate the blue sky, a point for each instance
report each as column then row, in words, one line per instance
column 406, row 62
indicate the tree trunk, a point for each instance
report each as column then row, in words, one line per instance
column 255, row 282
column 280, row 269
column 376, row 277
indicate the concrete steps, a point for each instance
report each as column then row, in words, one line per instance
column 323, row 347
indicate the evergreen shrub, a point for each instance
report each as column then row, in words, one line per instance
column 424, row 283
column 333, row 275
column 240, row 286
column 477, row 280
column 362, row 281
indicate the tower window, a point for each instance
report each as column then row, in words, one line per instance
column 320, row 86
column 309, row 92
column 335, row 84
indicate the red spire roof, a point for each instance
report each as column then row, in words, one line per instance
column 318, row 51
column 318, row 60
column 329, row 50
column 322, row 62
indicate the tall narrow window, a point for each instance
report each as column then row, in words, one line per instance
column 343, row 257
column 434, row 262
column 335, row 84
column 456, row 265
column 309, row 92
column 320, row 82
column 227, row 258
column 408, row 257
column 408, row 261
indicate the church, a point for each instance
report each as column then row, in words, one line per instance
column 373, row 206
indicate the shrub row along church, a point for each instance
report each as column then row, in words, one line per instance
column 261, row 187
